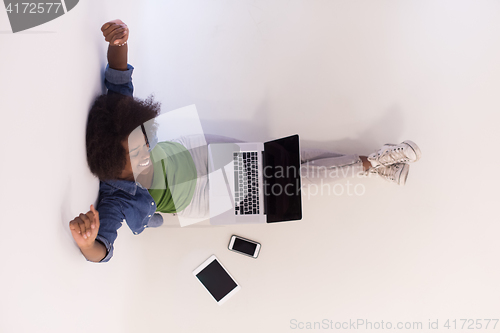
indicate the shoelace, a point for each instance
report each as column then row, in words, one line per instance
column 393, row 155
column 373, row 169
column 390, row 171
column 385, row 171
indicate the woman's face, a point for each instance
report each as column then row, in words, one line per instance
column 138, row 160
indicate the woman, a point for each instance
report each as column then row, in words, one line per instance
column 130, row 168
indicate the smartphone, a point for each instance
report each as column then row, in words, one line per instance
column 244, row 246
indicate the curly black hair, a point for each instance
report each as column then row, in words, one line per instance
column 110, row 121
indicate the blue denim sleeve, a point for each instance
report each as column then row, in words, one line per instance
column 155, row 221
column 110, row 218
column 119, row 82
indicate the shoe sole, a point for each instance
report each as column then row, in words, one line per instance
column 415, row 148
column 404, row 174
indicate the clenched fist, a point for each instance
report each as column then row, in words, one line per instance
column 115, row 32
column 84, row 228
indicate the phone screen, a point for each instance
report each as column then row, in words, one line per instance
column 244, row 246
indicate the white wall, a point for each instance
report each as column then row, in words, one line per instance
column 345, row 75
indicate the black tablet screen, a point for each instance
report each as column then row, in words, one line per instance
column 215, row 278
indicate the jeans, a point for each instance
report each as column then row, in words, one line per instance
column 317, row 167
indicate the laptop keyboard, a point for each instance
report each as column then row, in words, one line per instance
column 246, row 184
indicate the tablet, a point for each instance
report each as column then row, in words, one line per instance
column 218, row 282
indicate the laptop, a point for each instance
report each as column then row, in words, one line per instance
column 253, row 183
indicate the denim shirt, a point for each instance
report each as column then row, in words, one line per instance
column 122, row 200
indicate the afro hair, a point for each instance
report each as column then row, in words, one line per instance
column 110, row 121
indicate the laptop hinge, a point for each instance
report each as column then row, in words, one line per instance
column 264, row 182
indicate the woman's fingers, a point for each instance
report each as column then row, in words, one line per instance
column 96, row 216
column 114, row 40
column 110, row 29
column 117, row 35
column 115, row 32
column 111, row 35
column 105, row 26
column 86, row 225
column 110, row 23
column 90, row 216
column 77, row 230
column 113, row 29
column 112, row 32
column 118, row 40
column 74, row 225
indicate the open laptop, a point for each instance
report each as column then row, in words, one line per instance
column 254, row 182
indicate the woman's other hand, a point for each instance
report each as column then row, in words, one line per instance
column 115, row 32
column 84, row 228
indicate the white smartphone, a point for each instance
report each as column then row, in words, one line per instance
column 244, row 246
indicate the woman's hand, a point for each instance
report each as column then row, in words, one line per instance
column 115, row 32
column 84, row 228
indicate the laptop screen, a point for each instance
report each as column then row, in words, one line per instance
column 282, row 179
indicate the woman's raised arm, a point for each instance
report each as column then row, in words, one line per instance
column 116, row 33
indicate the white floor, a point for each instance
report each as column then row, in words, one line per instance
column 345, row 75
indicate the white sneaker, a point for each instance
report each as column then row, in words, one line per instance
column 395, row 173
column 406, row 152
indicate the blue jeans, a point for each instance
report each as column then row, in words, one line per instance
column 318, row 167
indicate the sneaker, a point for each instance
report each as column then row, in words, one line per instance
column 406, row 152
column 395, row 173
